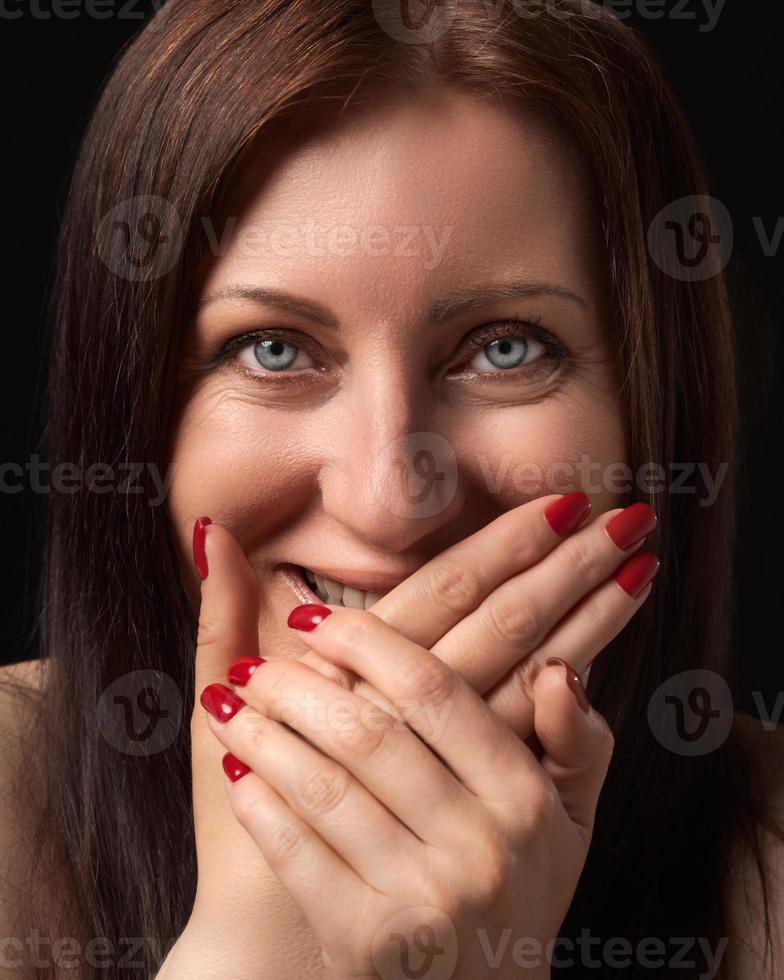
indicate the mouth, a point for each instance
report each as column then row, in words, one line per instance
column 310, row 586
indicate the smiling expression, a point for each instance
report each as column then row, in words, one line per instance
column 427, row 276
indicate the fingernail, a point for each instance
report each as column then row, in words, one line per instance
column 636, row 572
column 574, row 682
column 233, row 768
column 568, row 512
column 307, row 616
column 243, row 668
column 631, row 525
column 221, row 702
column 199, row 554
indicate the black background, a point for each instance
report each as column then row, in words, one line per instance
column 729, row 82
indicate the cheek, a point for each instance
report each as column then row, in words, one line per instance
column 240, row 465
column 563, row 443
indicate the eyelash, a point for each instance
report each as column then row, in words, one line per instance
column 555, row 350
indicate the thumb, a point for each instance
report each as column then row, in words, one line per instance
column 576, row 741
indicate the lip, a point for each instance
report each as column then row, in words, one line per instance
column 367, row 581
column 293, row 578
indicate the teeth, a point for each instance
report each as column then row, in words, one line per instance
column 355, row 598
column 329, row 590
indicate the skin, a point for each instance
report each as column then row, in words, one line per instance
column 303, row 473
column 299, row 469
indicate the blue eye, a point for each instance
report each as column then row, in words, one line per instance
column 521, row 348
column 507, row 352
column 273, row 354
column 502, row 347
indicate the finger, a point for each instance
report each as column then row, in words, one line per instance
column 382, row 753
column 304, row 863
column 576, row 741
column 319, row 790
column 445, row 711
column 439, row 594
column 228, row 615
column 515, row 618
column 577, row 639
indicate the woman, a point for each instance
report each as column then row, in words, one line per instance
column 373, row 294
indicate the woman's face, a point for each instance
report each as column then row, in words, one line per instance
column 386, row 407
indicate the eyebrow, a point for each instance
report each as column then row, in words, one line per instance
column 442, row 309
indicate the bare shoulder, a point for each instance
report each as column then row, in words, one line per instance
column 762, row 745
column 27, row 676
column 20, row 687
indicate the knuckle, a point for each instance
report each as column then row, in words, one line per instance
column 606, row 742
column 516, row 622
column 493, row 876
column 251, row 727
column 322, row 790
column 338, row 675
column 605, row 613
column 431, row 681
column 438, row 903
column 454, row 586
column 282, row 841
column 522, row 677
column 538, row 810
column 583, row 559
column 350, row 630
column 355, row 739
column 277, row 687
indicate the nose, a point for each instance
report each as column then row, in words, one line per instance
column 390, row 480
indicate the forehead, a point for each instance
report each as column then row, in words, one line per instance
column 420, row 194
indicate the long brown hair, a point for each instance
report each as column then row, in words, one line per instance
column 191, row 92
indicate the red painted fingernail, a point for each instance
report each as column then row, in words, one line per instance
column 221, row 702
column 307, row 616
column 636, row 572
column 233, row 768
column 574, row 682
column 568, row 512
column 199, row 554
column 631, row 525
column 242, row 669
